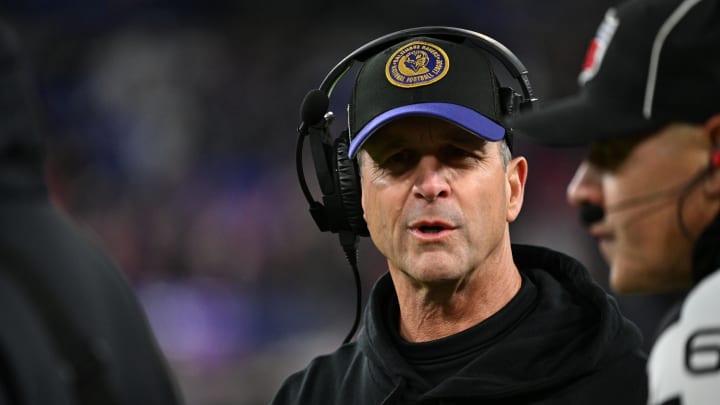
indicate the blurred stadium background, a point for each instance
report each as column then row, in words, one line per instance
column 171, row 136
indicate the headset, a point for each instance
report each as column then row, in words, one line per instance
column 341, row 211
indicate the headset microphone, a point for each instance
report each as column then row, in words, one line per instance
column 591, row 213
column 314, row 106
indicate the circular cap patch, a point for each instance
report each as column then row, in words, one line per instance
column 417, row 64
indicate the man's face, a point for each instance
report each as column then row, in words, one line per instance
column 437, row 199
column 641, row 185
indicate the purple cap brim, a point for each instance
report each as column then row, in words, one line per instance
column 466, row 118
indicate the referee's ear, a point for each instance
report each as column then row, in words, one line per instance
column 712, row 129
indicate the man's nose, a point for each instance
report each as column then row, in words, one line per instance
column 431, row 180
column 586, row 186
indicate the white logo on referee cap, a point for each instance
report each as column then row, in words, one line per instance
column 598, row 46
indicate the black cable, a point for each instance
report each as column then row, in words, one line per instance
column 684, row 196
column 299, row 168
column 591, row 213
column 349, row 242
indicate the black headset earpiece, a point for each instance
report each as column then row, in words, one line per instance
column 340, row 210
column 348, row 180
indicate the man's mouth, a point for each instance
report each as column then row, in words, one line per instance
column 431, row 229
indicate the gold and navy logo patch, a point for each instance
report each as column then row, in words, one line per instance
column 417, row 64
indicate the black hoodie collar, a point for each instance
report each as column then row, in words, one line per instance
column 574, row 328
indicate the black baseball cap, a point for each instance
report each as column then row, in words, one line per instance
column 652, row 62
column 425, row 76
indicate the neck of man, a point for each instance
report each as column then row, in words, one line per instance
column 430, row 311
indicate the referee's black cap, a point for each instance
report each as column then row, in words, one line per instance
column 651, row 62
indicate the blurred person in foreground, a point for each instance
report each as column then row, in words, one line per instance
column 74, row 332
column 649, row 187
column 462, row 315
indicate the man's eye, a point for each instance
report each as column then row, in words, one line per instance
column 611, row 154
column 404, row 156
column 454, row 154
column 399, row 162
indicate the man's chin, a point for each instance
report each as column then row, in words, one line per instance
column 437, row 269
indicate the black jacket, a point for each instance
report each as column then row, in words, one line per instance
column 561, row 340
column 72, row 329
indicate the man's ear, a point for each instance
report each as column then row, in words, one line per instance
column 517, row 171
